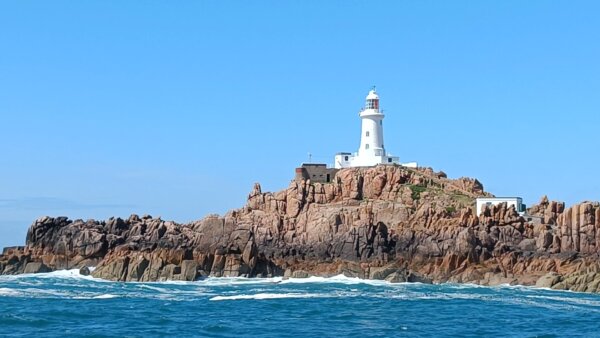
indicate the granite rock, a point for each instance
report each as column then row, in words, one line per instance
column 386, row 222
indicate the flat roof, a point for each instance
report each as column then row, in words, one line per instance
column 498, row 198
column 313, row 164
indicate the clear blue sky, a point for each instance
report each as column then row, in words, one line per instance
column 177, row 108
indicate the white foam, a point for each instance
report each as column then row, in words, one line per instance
column 262, row 296
column 33, row 293
column 465, row 285
column 339, row 279
column 63, row 274
column 168, row 282
column 102, row 296
column 215, row 281
column 54, row 274
column 8, row 292
column 578, row 301
column 105, row 296
column 68, row 274
column 224, row 281
column 45, row 293
column 502, row 298
column 154, row 288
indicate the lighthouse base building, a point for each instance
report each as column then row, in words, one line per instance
column 347, row 160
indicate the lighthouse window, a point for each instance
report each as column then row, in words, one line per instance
column 381, row 122
column 372, row 104
column 367, row 146
column 389, row 160
column 367, row 134
column 345, row 158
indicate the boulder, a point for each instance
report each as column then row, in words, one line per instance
column 115, row 269
column 528, row 244
column 170, row 272
column 153, row 271
column 382, row 273
column 36, row 267
column 84, row 271
column 189, row 270
column 396, row 277
column 300, row 274
column 413, row 277
column 549, row 280
column 136, row 269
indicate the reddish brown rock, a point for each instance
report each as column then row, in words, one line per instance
column 386, row 222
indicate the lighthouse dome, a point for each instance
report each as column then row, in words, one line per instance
column 372, row 95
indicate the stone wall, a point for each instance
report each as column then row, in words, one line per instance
column 315, row 172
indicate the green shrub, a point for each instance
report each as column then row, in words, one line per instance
column 416, row 191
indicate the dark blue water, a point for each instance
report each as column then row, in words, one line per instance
column 61, row 304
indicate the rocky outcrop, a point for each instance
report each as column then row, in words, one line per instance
column 387, row 222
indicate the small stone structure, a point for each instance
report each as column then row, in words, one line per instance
column 315, row 172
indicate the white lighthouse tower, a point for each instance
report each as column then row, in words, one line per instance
column 372, row 149
column 371, row 138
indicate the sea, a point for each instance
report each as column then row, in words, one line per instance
column 67, row 304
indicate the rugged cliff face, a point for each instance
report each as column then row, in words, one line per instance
column 386, row 222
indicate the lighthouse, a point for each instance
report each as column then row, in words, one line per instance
column 371, row 137
column 371, row 151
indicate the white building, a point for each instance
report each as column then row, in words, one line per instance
column 516, row 201
column 372, row 149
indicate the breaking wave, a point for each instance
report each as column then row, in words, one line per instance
column 58, row 274
column 8, row 292
column 261, row 296
column 103, row 296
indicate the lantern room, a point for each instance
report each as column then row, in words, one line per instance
column 372, row 100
